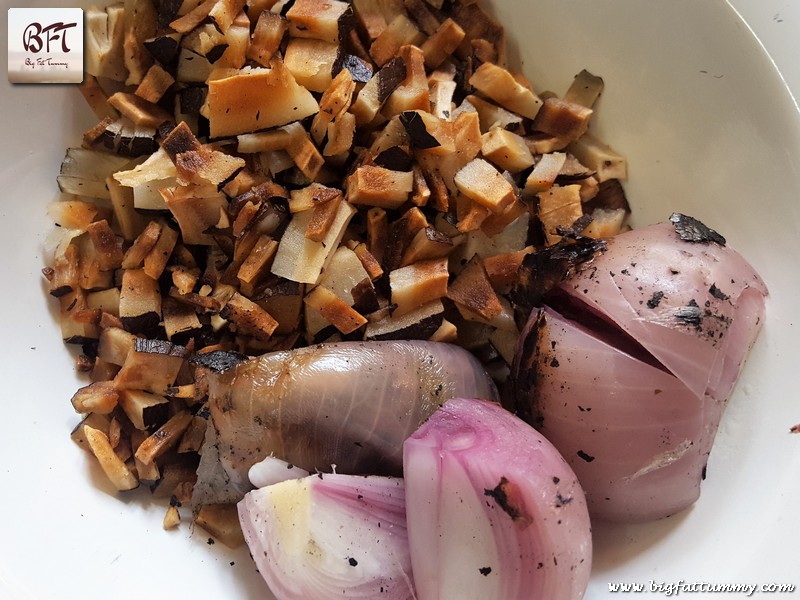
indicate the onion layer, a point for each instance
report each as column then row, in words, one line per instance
column 494, row 512
column 629, row 371
column 628, row 428
column 334, row 536
column 695, row 306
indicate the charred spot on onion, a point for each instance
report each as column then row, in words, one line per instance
column 691, row 314
column 717, row 293
column 655, row 299
column 691, row 230
column 543, row 270
column 217, row 361
column 508, row 497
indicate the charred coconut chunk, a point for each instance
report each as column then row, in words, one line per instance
column 164, row 49
column 501, row 86
column 139, row 302
column 139, row 110
column 318, row 20
column 180, row 140
column 415, row 125
column 146, row 411
column 395, row 158
column 152, row 365
column 360, row 70
column 377, row 90
column 167, row 12
column 257, row 99
column 418, row 324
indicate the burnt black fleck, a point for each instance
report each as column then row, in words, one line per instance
column 691, row 230
column 717, row 293
column 691, row 314
column 562, row 501
column 587, row 457
column 655, row 299
column 485, row 570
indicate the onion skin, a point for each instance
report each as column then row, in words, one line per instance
column 349, row 404
column 635, row 414
column 273, row 470
column 494, row 512
column 335, row 536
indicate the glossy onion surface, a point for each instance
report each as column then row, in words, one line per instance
column 629, row 369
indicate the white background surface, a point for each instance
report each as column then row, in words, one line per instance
column 702, row 114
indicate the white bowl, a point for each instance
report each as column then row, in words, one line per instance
column 709, row 129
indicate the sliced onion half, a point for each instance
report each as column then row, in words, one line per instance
column 331, row 536
column 494, row 512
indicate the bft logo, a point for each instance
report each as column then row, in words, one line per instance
column 32, row 39
column 45, row 45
